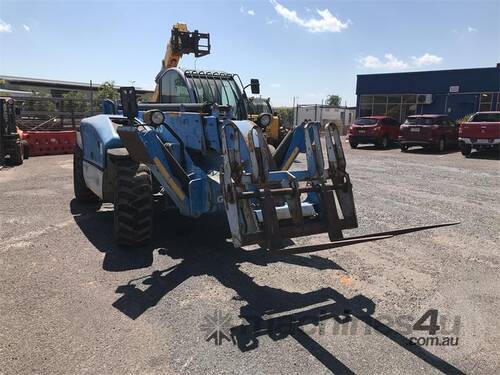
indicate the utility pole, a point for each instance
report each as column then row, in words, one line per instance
column 295, row 111
column 91, row 99
column 345, row 113
column 321, row 113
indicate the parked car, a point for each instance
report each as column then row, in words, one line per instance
column 379, row 130
column 429, row 131
column 480, row 132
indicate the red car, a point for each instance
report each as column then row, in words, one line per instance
column 379, row 130
column 480, row 132
column 429, row 131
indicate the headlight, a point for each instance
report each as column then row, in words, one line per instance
column 157, row 118
column 154, row 117
column 264, row 119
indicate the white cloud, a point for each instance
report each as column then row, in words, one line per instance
column 463, row 31
column 391, row 62
column 26, row 27
column 5, row 27
column 250, row 12
column 326, row 23
column 270, row 22
column 426, row 59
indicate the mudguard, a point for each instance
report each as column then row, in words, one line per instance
column 96, row 136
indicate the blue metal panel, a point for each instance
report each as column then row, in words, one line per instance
column 471, row 83
column 212, row 134
column 462, row 105
column 98, row 135
column 430, row 82
column 189, row 127
column 199, row 193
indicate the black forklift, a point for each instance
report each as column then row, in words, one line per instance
column 11, row 144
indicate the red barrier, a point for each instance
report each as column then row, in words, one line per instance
column 50, row 143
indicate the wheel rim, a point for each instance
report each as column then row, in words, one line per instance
column 384, row 142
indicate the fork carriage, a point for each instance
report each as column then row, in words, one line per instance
column 264, row 205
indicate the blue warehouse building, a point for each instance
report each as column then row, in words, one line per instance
column 454, row 92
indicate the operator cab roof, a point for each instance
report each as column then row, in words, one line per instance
column 198, row 86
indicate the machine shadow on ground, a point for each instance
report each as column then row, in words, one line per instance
column 486, row 154
column 426, row 151
column 414, row 150
column 369, row 147
column 203, row 250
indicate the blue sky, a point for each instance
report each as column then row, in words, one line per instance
column 307, row 49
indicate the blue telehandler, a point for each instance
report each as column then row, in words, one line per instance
column 194, row 149
column 201, row 159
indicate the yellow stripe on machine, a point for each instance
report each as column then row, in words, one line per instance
column 290, row 159
column 170, row 181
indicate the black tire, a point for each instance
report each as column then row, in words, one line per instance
column 384, row 143
column 353, row 144
column 16, row 156
column 404, row 148
column 441, row 147
column 133, row 217
column 26, row 150
column 82, row 192
column 465, row 149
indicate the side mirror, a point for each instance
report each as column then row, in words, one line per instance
column 128, row 98
column 255, row 86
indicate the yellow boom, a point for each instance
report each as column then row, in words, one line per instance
column 171, row 58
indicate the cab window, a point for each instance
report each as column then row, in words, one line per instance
column 174, row 88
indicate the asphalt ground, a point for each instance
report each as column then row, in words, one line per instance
column 73, row 302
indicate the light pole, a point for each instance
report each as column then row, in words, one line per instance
column 91, row 99
column 295, row 110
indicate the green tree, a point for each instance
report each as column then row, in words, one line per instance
column 75, row 101
column 147, row 97
column 107, row 91
column 32, row 104
column 286, row 116
column 2, row 83
column 333, row 100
